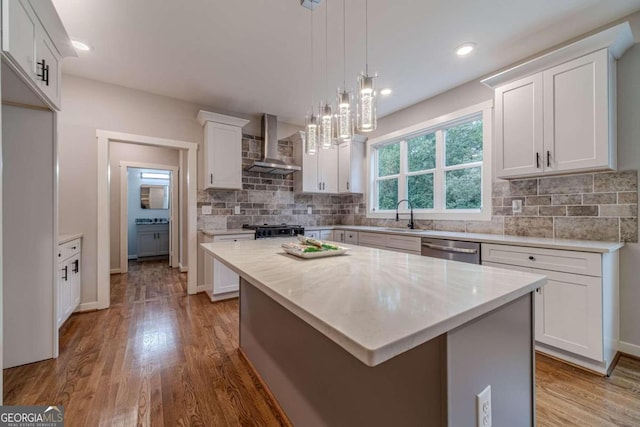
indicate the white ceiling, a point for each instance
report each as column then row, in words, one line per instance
column 253, row 56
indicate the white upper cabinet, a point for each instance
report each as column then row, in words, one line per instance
column 34, row 42
column 319, row 172
column 556, row 114
column 222, row 150
column 351, row 156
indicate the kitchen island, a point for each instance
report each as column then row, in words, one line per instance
column 376, row 337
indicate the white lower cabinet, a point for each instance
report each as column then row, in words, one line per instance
column 69, row 279
column 577, row 315
column 339, row 235
column 219, row 281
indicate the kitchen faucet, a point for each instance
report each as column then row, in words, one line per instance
column 410, row 225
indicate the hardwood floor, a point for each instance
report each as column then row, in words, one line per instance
column 159, row 357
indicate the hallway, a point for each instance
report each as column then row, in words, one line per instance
column 159, row 357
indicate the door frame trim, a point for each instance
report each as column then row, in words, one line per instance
column 104, row 137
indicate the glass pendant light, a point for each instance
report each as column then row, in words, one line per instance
column 344, row 120
column 311, row 120
column 367, row 99
column 326, row 115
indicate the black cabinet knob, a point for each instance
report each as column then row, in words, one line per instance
column 532, row 258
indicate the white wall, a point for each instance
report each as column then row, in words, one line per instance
column 629, row 158
column 134, row 153
column 134, row 207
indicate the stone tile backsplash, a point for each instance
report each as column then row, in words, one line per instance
column 594, row 206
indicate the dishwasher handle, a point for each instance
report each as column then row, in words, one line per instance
column 450, row 249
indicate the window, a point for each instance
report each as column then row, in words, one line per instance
column 442, row 167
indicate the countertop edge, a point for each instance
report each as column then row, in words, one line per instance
column 226, row 232
column 64, row 238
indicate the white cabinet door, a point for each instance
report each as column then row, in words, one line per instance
column 351, row 170
column 61, row 293
column 328, row 169
column 67, row 296
column 19, row 35
column 223, row 147
column 519, row 127
column 338, row 235
column 326, row 234
column 224, row 279
column 576, row 114
column 75, row 282
column 572, row 314
column 351, row 237
column 344, row 167
column 310, row 180
column 47, row 77
column 162, row 238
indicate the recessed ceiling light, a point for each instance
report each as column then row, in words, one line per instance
column 465, row 49
column 80, row 45
column 386, row 91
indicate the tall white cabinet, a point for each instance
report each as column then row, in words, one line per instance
column 222, row 150
column 556, row 114
column 351, row 170
column 33, row 43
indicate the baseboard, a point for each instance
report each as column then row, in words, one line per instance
column 132, row 257
column 202, row 289
column 183, row 269
column 87, row 306
column 115, row 271
column 628, row 348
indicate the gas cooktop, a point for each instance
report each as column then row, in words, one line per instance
column 274, row 230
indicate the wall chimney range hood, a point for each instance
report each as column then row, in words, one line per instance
column 270, row 162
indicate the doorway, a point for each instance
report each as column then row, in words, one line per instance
column 148, row 214
column 188, row 221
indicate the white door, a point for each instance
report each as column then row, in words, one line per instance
column 162, row 238
column 519, row 127
column 576, row 114
column 329, row 169
column 310, row 179
column 344, row 167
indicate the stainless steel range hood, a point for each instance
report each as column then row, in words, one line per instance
column 270, row 162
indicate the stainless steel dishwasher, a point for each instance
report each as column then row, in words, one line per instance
column 454, row 250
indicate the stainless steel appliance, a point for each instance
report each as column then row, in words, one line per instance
column 454, row 250
column 276, row 230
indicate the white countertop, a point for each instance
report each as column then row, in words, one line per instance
column 374, row 303
column 533, row 242
column 64, row 238
column 224, row 231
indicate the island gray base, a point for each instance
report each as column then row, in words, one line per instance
column 317, row 383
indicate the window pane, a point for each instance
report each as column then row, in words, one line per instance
column 421, row 152
column 464, row 188
column 463, row 143
column 389, row 160
column 420, row 189
column 387, row 194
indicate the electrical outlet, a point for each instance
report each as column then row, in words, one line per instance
column 357, row 209
column 483, row 407
column 516, row 206
column 206, row 209
column 236, row 210
column 309, row 210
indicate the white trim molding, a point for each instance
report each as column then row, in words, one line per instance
column 115, row 271
column 183, row 268
column 628, row 348
column 103, row 241
column 483, row 110
column 87, row 306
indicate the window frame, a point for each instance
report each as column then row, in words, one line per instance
column 438, row 126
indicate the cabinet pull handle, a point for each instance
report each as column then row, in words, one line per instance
column 319, row 186
column 539, row 290
column 548, row 158
column 537, row 160
column 66, row 273
column 347, row 185
column 44, row 76
column 76, row 266
column 532, row 258
column 211, row 178
column 323, row 185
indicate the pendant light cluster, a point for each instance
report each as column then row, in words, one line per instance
column 326, row 129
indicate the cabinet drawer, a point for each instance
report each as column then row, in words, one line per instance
column 372, row 239
column 404, row 243
column 233, row 237
column 69, row 249
column 547, row 259
column 351, row 237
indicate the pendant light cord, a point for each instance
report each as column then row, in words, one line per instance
column 344, row 44
column 312, row 59
column 326, row 47
column 366, row 37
